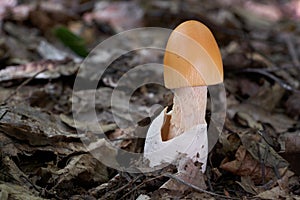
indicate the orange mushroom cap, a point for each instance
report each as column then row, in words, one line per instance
column 192, row 57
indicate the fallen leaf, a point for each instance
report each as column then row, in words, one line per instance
column 245, row 165
column 262, row 151
column 267, row 96
column 33, row 126
column 274, row 193
column 84, row 168
column 188, row 171
column 53, row 69
column 248, row 185
column 278, row 121
column 247, row 87
column 290, row 149
column 50, row 52
column 293, row 106
column 120, row 15
column 71, row 40
column 5, row 5
column 93, row 127
column 16, row 192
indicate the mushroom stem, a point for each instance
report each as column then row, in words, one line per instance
column 189, row 106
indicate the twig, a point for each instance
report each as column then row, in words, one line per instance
column 140, row 185
column 292, row 51
column 197, row 188
column 271, row 76
column 123, row 187
column 208, row 176
column 262, row 164
column 29, row 181
column 3, row 114
column 22, row 85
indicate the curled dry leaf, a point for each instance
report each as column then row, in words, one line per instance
column 246, row 165
column 248, row 185
column 48, row 68
column 33, row 126
column 274, row 193
column 188, row 171
column 278, row 121
column 267, row 96
column 12, row 191
column 50, row 52
column 290, row 149
column 14, row 174
column 84, row 168
column 104, row 151
column 260, row 150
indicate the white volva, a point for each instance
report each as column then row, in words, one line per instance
column 187, row 130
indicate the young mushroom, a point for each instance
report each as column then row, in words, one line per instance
column 192, row 61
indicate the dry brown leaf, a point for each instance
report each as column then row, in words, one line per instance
column 274, row 193
column 16, row 192
column 93, row 127
column 290, row 149
column 260, row 150
column 33, row 126
column 83, row 168
column 278, row 121
column 121, row 15
column 230, row 141
column 48, row 14
column 290, row 142
column 267, row 97
column 246, row 165
column 248, row 185
column 53, row 69
column 189, row 172
column 293, row 106
column 248, row 87
column 5, row 5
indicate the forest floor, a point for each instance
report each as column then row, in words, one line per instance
column 59, row 105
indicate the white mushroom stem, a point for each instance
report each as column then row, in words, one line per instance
column 189, row 106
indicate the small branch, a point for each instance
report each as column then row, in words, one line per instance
column 22, row 85
column 140, row 185
column 282, row 83
column 292, row 51
column 108, row 195
column 197, row 188
column 3, row 114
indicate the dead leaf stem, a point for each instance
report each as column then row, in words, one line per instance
column 124, row 187
column 141, row 184
column 197, row 188
column 282, row 83
column 22, row 85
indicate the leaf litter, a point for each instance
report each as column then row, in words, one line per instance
column 42, row 154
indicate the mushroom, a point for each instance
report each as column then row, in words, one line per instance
column 192, row 61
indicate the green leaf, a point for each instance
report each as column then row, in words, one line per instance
column 71, row 40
